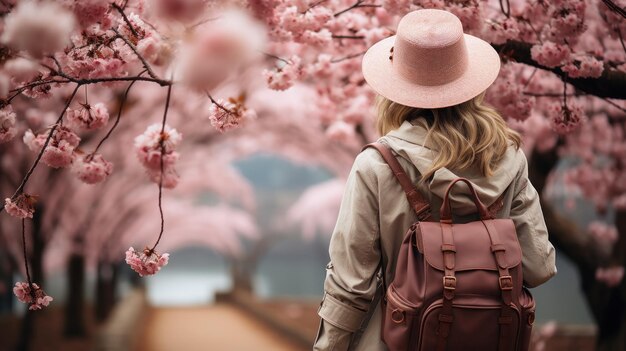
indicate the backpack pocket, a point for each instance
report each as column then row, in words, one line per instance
column 475, row 326
column 399, row 321
column 528, row 319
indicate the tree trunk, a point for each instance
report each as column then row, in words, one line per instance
column 6, row 279
column 75, row 302
column 241, row 276
column 26, row 331
column 607, row 304
column 106, row 285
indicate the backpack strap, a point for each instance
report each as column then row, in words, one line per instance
column 449, row 285
column 417, row 202
column 506, row 287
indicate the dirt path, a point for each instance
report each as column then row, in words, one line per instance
column 214, row 328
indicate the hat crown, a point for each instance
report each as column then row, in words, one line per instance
column 430, row 47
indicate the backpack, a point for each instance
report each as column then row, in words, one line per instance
column 456, row 286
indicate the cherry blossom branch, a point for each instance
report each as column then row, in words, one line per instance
column 121, row 11
column 357, row 4
column 313, row 5
column 348, row 57
column 20, row 189
column 560, row 95
column 145, row 63
column 30, row 282
column 119, row 115
column 611, row 84
column 201, row 22
column 277, row 58
column 348, row 36
column 217, row 103
column 162, row 145
column 506, row 12
column 35, row 84
column 83, row 81
column 615, row 8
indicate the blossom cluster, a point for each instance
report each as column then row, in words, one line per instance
column 156, row 151
column 8, row 129
column 88, row 117
column 35, row 298
column 147, row 262
column 23, row 206
column 225, row 115
column 59, row 152
column 285, row 75
column 603, row 232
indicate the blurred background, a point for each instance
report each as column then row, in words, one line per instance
column 236, row 123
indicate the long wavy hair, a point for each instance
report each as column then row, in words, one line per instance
column 467, row 134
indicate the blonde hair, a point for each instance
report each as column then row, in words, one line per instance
column 470, row 133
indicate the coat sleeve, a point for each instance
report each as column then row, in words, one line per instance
column 538, row 255
column 351, row 281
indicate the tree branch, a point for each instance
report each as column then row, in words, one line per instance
column 145, row 63
column 611, row 84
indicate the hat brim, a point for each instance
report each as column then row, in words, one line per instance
column 482, row 70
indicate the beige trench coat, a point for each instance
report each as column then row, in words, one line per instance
column 375, row 215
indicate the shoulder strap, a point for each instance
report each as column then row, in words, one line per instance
column 417, row 202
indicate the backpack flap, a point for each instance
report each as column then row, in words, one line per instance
column 473, row 245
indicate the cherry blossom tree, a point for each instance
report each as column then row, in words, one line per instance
column 197, row 73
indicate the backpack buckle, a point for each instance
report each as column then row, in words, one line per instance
column 506, row 282
column 449, row 282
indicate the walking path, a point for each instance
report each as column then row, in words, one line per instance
column 220, row 327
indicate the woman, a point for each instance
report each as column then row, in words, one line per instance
column 431, row 79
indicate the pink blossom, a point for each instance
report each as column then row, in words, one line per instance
column 498, row 32
column 105, row 65
column 322, row 68
column 60, row 150
column 319, row 38
column 285, row 75
column 584, row 67
column 550, row 54
column 148, row 146
column 567, row 20
column 38, row 27
column 147, row 262
column 215, row 51
column 36, row 299
column 92, row 168
column 611, row 276
column 89, row 12
column 506, row 94
column 565, row 118
column 88, row 117
column 170, row 177
column 181, row 10
column 292, row 20
column 340, row 131
column 397, row 6
column 140, row 27
column 374, row 35
column 22, row 207
column 7, row 124
column 603, row 232
column 157, row 52
column 21, row 69
column 225, row 115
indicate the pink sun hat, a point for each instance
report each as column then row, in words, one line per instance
column 430, row 62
